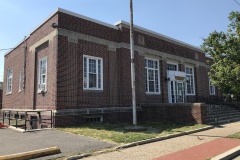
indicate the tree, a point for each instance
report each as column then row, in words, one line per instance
column 224, row 48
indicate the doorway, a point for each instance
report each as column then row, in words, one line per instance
column 176, row 91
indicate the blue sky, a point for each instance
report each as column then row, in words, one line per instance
column 185, row 20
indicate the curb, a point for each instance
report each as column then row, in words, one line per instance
column 78, row 156
column 230, row 154
column 32, row 154
column 163, row 138
column 142, row 142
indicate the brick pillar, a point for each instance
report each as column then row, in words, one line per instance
column 163, row 81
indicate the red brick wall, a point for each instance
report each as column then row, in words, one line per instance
column 70, row 75
column 177, row 113
column 75, row 24
column 15, row 60
column 65, row 68
column 163, row 45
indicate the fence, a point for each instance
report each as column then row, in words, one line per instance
column 28, row 120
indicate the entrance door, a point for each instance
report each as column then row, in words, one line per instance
column 179, row 87
column 176, row 92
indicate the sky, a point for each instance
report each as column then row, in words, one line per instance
column 186, row 20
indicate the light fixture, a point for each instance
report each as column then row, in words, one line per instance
column 54, row 25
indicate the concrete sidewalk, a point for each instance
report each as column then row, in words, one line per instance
column 204, row 151
column 161, row 148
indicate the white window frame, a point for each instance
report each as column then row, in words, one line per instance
column 97, row 73
column 211, row 85
column 146, row 78
column 193, row 79
column 20, row 82
column 39, row 76
column 9, row 81
column 172, row 64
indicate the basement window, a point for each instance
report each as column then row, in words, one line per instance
column 90, row 119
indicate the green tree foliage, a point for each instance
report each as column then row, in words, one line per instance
column 224, row 48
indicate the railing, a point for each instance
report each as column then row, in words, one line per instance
column 21, row 119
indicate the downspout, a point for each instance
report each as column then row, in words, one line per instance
column 24, row 64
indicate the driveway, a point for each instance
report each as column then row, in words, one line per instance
column 12, row 142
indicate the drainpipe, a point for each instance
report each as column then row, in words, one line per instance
column 25, row 61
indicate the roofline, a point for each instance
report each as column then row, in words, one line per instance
column 66, row 12
column 87, row 18
column 159, row 35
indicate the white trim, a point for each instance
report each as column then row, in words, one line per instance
column 101, row 63
column 158, row 35
column 39, row 68
column 159, row 88
column 169, row 62
column 187, row 94
column 214, row 88
column 7, row 91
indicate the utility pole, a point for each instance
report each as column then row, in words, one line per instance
column 132, row 66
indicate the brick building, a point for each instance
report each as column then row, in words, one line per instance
column 80, row 68
column 1, row 94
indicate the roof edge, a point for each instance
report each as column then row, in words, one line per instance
column 158, row 34
column 69, row 13
column 87, row 18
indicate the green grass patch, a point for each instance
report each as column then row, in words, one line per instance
column 236, row 135
column 116, row 133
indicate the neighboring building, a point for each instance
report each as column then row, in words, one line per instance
column 80, row 68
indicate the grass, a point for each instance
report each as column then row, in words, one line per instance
column 236, row 135
column 116, row 133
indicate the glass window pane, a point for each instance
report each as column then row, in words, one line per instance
column 92, row 80
column 150, row 75
column 151, row 86
column 99, row 74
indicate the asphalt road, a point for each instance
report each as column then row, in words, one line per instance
column 12, row 142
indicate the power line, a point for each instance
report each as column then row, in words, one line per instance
column 237, row 2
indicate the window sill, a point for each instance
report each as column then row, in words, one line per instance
column 39, row 91
column 89, row 89
column 10, row 93
column 149, row 93
column 190, row 95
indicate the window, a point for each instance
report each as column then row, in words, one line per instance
column 172, row 67
column 190, row 90
column 20, row 82
column 42, row 79
column 152, row 76
column 9, row 81
column 93, row 73
column 211, row 88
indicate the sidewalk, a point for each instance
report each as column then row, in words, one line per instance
column 166, row 147
column 203, row 151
